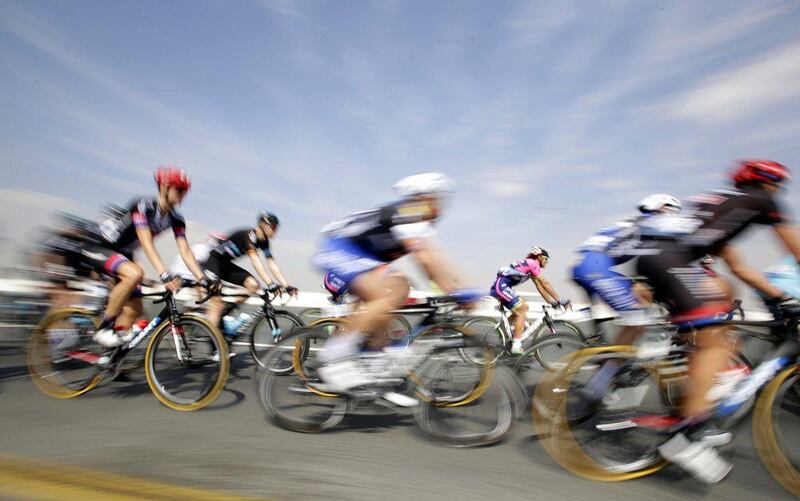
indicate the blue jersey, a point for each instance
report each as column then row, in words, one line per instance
column 618, row 241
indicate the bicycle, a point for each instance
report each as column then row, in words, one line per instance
column 265, row 327
column 619, row 436
column 498, row 332
column 186, row 360
column 431, row 370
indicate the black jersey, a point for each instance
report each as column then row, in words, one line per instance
column 120, row 231
column 381, row 231
column 238, row 244
column 724, row 214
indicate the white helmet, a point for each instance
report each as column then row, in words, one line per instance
column 657, row 201
column 429, row 183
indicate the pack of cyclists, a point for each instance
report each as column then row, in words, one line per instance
column 673, row 247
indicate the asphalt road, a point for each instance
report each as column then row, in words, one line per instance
column 121, row 428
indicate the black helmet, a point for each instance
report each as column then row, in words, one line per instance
column 269, row 218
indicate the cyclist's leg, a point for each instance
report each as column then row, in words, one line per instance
column 695, row 303
column 380, row 293
column 132, row 310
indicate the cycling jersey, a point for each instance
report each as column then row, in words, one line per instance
column 616, row 241
column 368, row 240
column 238, row 244
column 692, row 296
column 520, row 271
column 120, row 232
column 719, row 216
column 381, row 232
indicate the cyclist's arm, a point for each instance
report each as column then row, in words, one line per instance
column 433, row 263
column 276, row 271
column 259, row 266
column 746, row 273
column 545, row 289
column 790, row 236
column 149, row 249
column 188, row 257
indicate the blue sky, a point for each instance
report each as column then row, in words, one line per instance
column 553, row 117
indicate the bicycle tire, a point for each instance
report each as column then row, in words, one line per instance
column 553, row 424
column 485, row 420
column 282, row 406
column 535, row 352
column 260, row 349
column 40, row 360
column 768, row 439
column 489, row 331
column 206, row 397
column 562, row 327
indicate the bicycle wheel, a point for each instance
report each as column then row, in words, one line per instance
column 489, row 332
column 549, row 353
column 469, row 375
column 62, row 358
column 775, row 427
column 462, row 419
column 187, row 364
column 560, row 328
column 598, row 440
column 264, row 336
column 293, row 400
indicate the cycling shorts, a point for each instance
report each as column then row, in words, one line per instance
column 593, row 272
column 692, row 297
column 226, row 271
column 502, row 291
column 345, row 259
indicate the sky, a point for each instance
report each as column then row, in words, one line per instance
column 553, row 118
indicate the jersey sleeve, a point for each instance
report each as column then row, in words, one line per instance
column 178, row 224
column 774, row 213
column 534, row 268
column 139, row 214
column 265, row 249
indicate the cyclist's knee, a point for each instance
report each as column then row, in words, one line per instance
column 130, row 272
column 251, row 284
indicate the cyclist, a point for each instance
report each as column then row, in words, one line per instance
column 696, row 302
column 510, row 276
column 254, row 242
column 356, row 250
column 123, row 233
column 337, row 287
column 611, row 247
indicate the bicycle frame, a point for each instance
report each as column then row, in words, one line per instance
column 784, row 355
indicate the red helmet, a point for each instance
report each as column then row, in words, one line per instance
column 168, row 175
column 760, row 171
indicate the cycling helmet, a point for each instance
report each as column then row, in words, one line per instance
column 658, row 201
column 168, row 175
column 269, row 218
column 537, row 251
column 760, row 171
column 429, row 183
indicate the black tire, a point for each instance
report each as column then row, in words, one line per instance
column 262, row 340
column 548, row 353
column 293, row 400
column 562, row 328
column 488, row 331
column 480, row 419
column 193, row 377
column 62, row 357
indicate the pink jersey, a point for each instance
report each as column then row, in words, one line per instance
column 520, row 271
